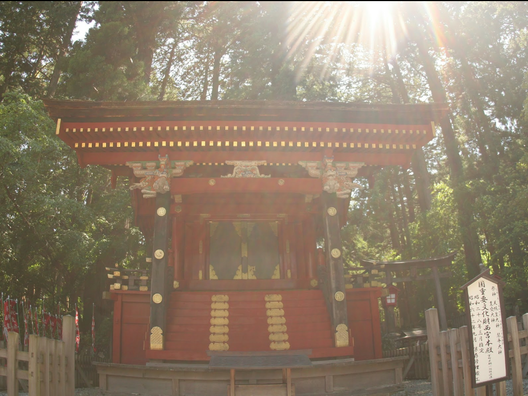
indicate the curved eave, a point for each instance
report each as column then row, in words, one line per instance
column 89, row 111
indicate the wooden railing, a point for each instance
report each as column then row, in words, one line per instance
column 50, row 363
column 450, row 349
column 417, row 365
column 128, row 279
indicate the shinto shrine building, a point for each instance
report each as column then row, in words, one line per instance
column 241, row 205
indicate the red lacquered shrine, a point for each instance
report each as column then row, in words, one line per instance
column 233, row 198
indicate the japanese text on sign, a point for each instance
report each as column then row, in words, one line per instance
column 487, row 329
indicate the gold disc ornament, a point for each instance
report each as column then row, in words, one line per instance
column 157, row 298
column 159, row 254
column 336, row 253
column 339, row 296
column 331, row 211
column 161, row 212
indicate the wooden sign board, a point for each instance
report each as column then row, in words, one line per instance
column 487, row 330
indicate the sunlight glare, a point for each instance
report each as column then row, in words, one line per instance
column 376, row 26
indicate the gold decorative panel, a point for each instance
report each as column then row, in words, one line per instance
column 280, row 346
column 277, row 323
column 219, row 305
column 156, row 338
column 277, row 328
column 274, row 304
column 218, row 338
column 275, row 312
column 219, row 313
column 212, row 273
column 278, row 336
column 341, row 335
column 219, row 321
column 218, row 346
column 276, row 273
column 276, row 320
column 219, row 329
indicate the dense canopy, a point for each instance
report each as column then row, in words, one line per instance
column 465, row 191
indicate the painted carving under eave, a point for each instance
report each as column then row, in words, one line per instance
column 155, row 176
column 246, row 169
column 336, row 176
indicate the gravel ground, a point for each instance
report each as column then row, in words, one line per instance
column 412, row 388
column 423, row 388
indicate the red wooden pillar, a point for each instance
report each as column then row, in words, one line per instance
column 301, row 264
column 310, row 246
column 290, row 250
column 284, row 256
column 177, row 248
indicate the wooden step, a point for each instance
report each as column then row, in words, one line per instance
column 198, row 345
column 189, row 323
column 332, row 352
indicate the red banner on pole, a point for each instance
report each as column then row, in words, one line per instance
column 26, row 326
column 77, row 332
column 7, row 319
column 36, row 327
column 12, row 316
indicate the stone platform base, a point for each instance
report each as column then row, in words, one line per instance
column 328, row 377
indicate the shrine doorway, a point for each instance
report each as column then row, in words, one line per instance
column 244, row 250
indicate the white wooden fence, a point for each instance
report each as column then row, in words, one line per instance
column 449, row 358
column 50, row 363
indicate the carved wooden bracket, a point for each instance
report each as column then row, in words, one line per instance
column 155, row 175
column 246, row 169
column 336, row 176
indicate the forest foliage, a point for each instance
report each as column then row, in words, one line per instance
column 466, row 191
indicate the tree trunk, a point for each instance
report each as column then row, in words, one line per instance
column 462, row 196
column 216, row 74
column 203, row 96
column 65, row 45
column 166, row 75
column 407, row 253
column 408, row 195
column 418, row 163
column 393, row 229
column 146, row 19
column 486, row 139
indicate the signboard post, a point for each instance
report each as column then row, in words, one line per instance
column 487, row 330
